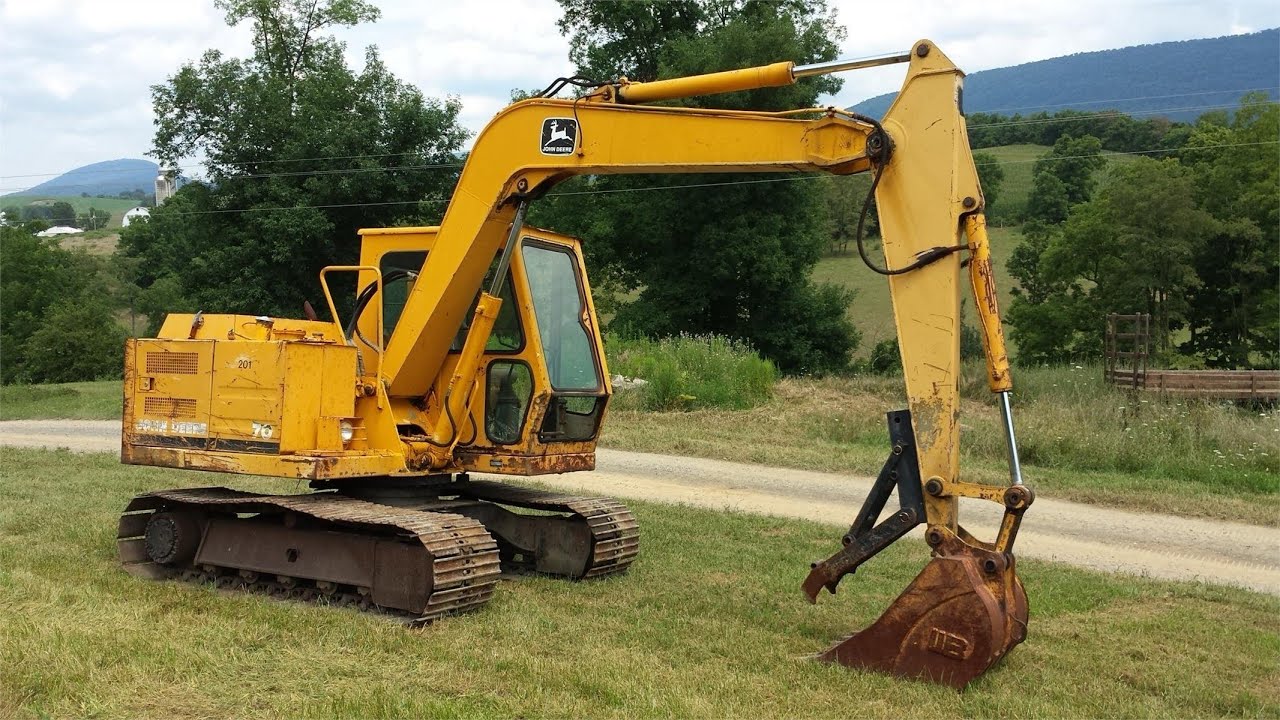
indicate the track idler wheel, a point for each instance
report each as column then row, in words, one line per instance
column 960, row 615
column 172, row 538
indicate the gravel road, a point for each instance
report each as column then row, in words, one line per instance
column 1154, row 545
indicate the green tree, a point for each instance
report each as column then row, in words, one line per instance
column 78, row 339
column 37, row 275
column 58, row 212
column 1234, row 316
column 93, row 219
column 1130, row 249
column 842, row 200
column 1063, row 177
column 300, row 151
column 990, row 176
column 753, row 245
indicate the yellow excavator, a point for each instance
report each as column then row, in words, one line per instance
column 474, row 347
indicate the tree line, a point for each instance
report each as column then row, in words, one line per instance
column 1189, row 238
column 302, row 150
column 43, row 214
column 1115, row 130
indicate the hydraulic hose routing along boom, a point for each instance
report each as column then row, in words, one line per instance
column 474, row 347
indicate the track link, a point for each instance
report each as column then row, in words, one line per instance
column 464, row 565
column 615, row 533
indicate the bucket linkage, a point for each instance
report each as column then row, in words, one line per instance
column 962, row 613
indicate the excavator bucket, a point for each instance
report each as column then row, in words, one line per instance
column 961, row 614
column 965, row 609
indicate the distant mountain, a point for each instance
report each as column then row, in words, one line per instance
column 103, row 178
column 1177, row 80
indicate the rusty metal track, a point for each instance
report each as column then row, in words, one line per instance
column 464, row 557
column 614, row 531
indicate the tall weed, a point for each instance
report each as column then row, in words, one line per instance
column 1068, row 417
column 689, row 372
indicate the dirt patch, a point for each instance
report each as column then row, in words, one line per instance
column 104, row 245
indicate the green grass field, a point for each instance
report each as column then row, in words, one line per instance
column 102, row 400
column 709, row 623
column 115, row 206
column 872, row 310
column 1017, row 162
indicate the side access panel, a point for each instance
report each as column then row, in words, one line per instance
column 166, row 389
column 248, row 396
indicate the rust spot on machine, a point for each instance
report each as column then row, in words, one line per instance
column 319, row 546
column 963, row 612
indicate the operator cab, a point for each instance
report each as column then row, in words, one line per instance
column 544, row 384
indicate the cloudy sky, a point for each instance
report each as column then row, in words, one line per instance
column 77, row 72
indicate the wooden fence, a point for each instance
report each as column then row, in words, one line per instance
column 1128, row 345
column 1209, row 384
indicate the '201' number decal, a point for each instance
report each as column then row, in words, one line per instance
column 244, row 363
column 263, row 430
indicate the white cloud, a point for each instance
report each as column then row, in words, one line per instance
column 78, row 72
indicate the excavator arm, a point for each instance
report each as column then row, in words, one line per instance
column 967, row 608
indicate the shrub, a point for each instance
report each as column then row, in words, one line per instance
column 77, row 340
column 688, row 372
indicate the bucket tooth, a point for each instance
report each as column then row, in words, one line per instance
column 960, row 615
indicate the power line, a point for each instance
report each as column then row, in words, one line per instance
column 685, row 186
column 238, row 163
column 1119, row 100
column 339, row 171
column 1102, row 116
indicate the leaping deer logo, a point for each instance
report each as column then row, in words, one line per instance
column 557, row 134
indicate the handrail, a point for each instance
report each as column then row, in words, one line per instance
column 333, row 310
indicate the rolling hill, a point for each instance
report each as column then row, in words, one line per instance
column 1178, row 80
column 111, row 177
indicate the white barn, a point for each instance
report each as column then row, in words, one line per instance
column 134, row 214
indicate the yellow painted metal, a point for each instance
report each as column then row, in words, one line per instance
column 921, row 199
column 529, row 455
column 774, row 75
column 249, row 385
column 369, row 273
column 982, row 276
column 246, row 327
column 167, row 389
column 271, row 397
column 310, row 466
column 450, row 427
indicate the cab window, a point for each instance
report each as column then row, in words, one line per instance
column 560, row 306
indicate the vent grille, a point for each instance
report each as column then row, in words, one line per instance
column 169, row 407
column 173, row 363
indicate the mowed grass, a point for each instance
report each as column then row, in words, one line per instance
column 1017, row 162
column 102, row 400
column 708, row 623
column 116, row 206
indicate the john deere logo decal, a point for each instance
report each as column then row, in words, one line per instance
column 559, row 136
